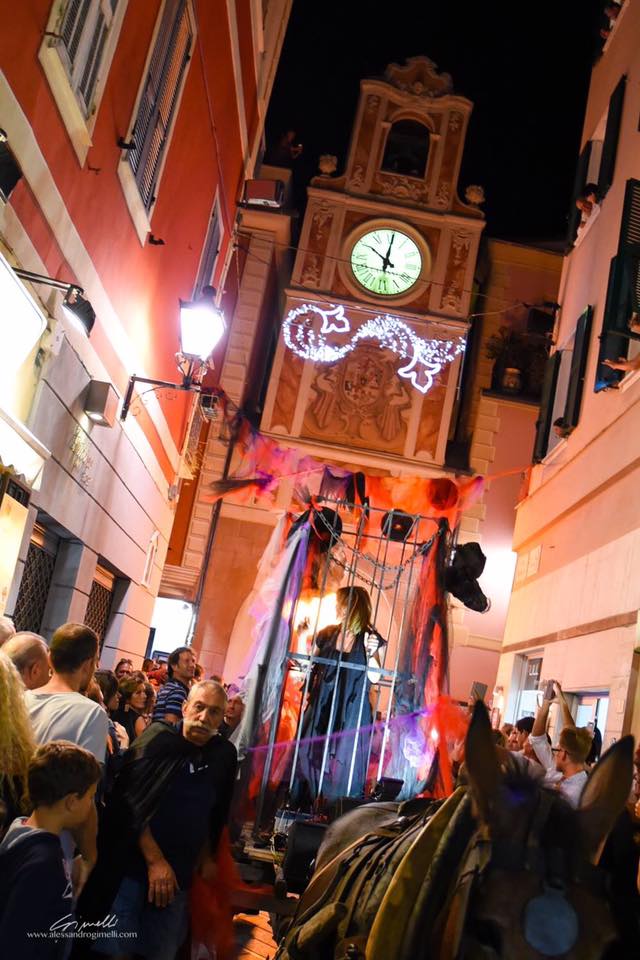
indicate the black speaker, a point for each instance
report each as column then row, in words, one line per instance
column 303, row 842
column 397, row 525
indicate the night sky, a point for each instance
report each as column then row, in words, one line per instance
column 525, row 66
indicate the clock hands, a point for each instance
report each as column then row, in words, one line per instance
column 386, row 262
column 377, row 253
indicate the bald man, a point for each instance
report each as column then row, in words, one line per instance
column 30, row 655
column 7, row 630
column 169, row 805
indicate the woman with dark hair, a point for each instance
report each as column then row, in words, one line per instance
column 133, row 699
column 338, row 702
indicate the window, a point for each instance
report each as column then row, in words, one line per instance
column 83, row 36
column 596, row 164
column 36, row 580
column 543, row 423
column 210, row 253
column 577, row 370
column 563, row 387
column 160, row 94
column 623, row 293
column 407, row 149
column 76, row 54
column 99, row 603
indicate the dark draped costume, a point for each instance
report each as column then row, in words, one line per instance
column 352, row 709
column 147, row 770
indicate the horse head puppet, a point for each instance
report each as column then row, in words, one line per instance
column 503, row 870
column 529, row 886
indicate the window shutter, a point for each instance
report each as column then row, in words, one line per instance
column 543, row 424
column 90, row 73
column 623, row 291
column 578, row 368
column 73, row 25
column 209, row 254
column 578, row 186
column 610, row 146
column 155, row 113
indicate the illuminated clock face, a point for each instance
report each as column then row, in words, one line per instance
column 386, row 262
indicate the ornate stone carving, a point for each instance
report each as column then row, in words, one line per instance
column 402, row 187
column 360, row 400
column 320, row 221
column 443, row 194
column 455, row 121
column 372, row 104
column 460, row 244
column 419, row 76
column 327, row 164
column 474, row 194
column 357, row 178
column 311, row 271
column 452, row 296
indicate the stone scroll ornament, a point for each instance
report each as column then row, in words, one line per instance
column 318, row 335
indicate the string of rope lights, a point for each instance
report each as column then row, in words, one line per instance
column 426, row 358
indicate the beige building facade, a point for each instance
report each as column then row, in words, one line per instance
column 573, row 614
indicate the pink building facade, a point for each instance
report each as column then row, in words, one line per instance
column 573, row 614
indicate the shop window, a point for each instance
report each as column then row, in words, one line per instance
column 10, row 172
column 623, row 294
column 210, row 252
column 160, row 94
column 36, row 580
column 407, row 149
column 532, row 674
column 596, row 164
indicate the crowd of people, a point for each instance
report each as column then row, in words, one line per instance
column 114, row 789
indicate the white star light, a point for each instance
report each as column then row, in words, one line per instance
column 426, row 358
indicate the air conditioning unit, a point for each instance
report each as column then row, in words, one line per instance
column 263, row 193
column 209, row 407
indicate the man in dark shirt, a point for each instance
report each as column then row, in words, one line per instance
column 181, row 667
column 168, row 809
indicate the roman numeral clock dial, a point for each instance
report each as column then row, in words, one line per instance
column 386, row 262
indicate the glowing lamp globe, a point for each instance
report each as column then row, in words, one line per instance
column 202, row 327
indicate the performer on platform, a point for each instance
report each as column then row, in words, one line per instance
column 350, row 641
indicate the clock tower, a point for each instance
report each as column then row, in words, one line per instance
column 375, row 318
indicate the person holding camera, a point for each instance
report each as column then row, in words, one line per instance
column 565, row 764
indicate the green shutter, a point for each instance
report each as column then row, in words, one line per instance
column 578, row 368
column 578, row 186
column 610, row 145
column 543, row 424
column 623, row 291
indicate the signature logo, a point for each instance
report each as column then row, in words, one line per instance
column 69, row 923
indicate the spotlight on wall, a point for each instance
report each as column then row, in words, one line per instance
column 101, row 403
column 76, row 307
column 78, row 310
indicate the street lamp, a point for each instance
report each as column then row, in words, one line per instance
column 202, row 327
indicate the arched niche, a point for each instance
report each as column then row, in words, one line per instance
column 406, row 150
